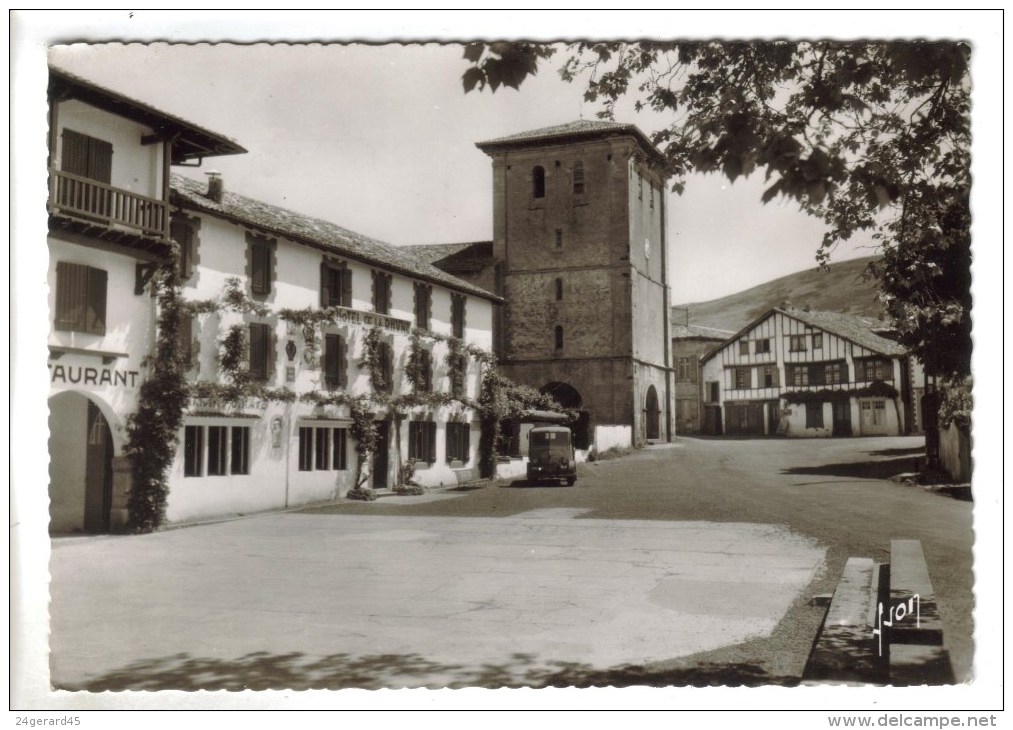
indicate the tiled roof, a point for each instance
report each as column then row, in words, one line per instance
column 860, row 330
column 577, row 130
column 316, row 232
column 688, row 331
column 433, row 252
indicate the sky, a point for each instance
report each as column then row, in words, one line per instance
column 381, row 139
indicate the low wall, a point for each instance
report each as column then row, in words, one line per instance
column 955, row 453
column 607, row 437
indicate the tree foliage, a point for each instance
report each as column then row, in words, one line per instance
column 866, row 136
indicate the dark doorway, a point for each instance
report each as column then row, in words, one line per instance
column 773, row 416
column 653, row 415
column 98, row 481
column 842, row 418
column 564, row 394
column 381, row 456
column 744, row 419
column 712, row 420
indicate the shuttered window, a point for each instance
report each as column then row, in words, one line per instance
column 381, row 292
column 87, row 156
column 217, row 440
column 423, row 305
column 335, row 285
column 184, row 340
column 422, row 441
column 458, row 442
column 260, row 268
column 335, row 362
column 578, row 178
column 184, row 234
column 457, row 314
column 80, row 298
column 322, row 450
column 260, row 351
column 240, row 450
column 386, row 356
column 340, row 448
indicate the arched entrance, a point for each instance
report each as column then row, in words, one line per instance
column 569, row 397
column 80, row 465
column 653, row 422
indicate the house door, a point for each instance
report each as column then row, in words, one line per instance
column 842, row 418
column 382, row 455
column 712, row 420
column 873, row 417
column 98, row 479
column 653, row 415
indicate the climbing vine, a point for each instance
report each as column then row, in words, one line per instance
column 363, row 431
column 234, row 353
column 372, row 360
column 418, row 365
column 877, row 389
column 957, row 405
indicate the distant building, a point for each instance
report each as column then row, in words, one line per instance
column 810, row 373
column 579, row 254
column 689, row 344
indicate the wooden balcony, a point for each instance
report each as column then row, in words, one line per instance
column 99, row 205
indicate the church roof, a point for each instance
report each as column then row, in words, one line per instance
column 577, row 131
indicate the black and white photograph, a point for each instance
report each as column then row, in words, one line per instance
column 634, row 361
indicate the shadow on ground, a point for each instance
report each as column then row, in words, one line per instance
column 296, row 671
column 913, row 451
column 876, row 469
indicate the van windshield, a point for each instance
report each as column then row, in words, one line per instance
column 556, row 442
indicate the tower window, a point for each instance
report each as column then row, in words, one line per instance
column 538, row 182
column 559, row 238
column 559, row 290
column 578, row 178
column 559, row 338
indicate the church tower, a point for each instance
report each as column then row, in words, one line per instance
column 580, row 259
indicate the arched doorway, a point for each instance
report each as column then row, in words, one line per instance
column 653, row 423
column 569, row 397
column 80, row 465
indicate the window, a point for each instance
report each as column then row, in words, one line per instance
column 423, row 305
column 305, row 448
column 538, row 182
column 335, row 362
column 762, row 346
column 874, row 369
column 184, row 340
column 797, row 374
column 743, row 378
column 818, row 341
column 80, row 298
column 184, row 232
column 685, row 370
column 322, row 448
column 217, row 442
column 240, row 450
column 713, row 391
column 743, row 347
column 340, row 438
column 558, row 239
column 578, row 178
column 381, row 292
column 814, row 415
column 422, row 441
column 335, row 284
column 651, row 185
column 835, row 373
column 193, row 451
column 797, row 343
column 459, row 442
column 261, row 270
column 559, row 290
column 425, row 384
column 457, row 305
column 86, row 156
column 260, row 351
column 559, row 338
column 770, row 379
column 640, row 185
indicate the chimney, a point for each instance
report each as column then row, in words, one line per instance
column 216, row 187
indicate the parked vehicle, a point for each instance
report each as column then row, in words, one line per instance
column 551, row 455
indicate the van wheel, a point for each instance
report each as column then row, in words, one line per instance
column 571, row 481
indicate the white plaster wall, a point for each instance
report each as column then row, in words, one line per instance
column 136, row 167
column 607, row 437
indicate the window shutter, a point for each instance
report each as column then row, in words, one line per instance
column 332, row 355
column 325, row 284
column 431, row 430
column 346, row 287
column 96, row 311
column 259, row 348
column 74, row 153
column 388, row 364
column 71, row 295
column 260, row 255
column 388, row 286
column 184, row 340
column 342, row 362
column 465, row 442
column 100, row 160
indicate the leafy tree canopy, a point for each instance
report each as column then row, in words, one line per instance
column 866, row 136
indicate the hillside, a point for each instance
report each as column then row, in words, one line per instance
column 842, row 288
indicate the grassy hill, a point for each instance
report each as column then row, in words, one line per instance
column 842, row 288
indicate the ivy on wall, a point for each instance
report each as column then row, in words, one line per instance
column 877, row 389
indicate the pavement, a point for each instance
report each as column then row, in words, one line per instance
column 301, row 601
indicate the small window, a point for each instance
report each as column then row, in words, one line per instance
column 559, row 290
column 578, row 178
column 538, row 182
column 80, row 298
column 814, row 415
column 193, row 451
column 559, row 338
column 743, row 378
column 260, row 351
column 558, row 238
column 762, row 346
column 381, row 292
column 335, row 362
column 340, row 438
column 183, row 231
column 217, row 454
column 743, row 347
column 797, row 343
column 261, row 274
column 422, row 441
column 335, row 284
column 457, row 314
column 818, row 341
column 240, row 450
column 770, row 379
column 713, row 391
column 305, row 448
column 322, row 448
column 423, row 305
column 835, row 373
column 458, row 442
column 685, row 370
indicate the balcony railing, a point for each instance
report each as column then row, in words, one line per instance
column 101, row 204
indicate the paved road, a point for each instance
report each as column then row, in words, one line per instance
column 689, row 564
